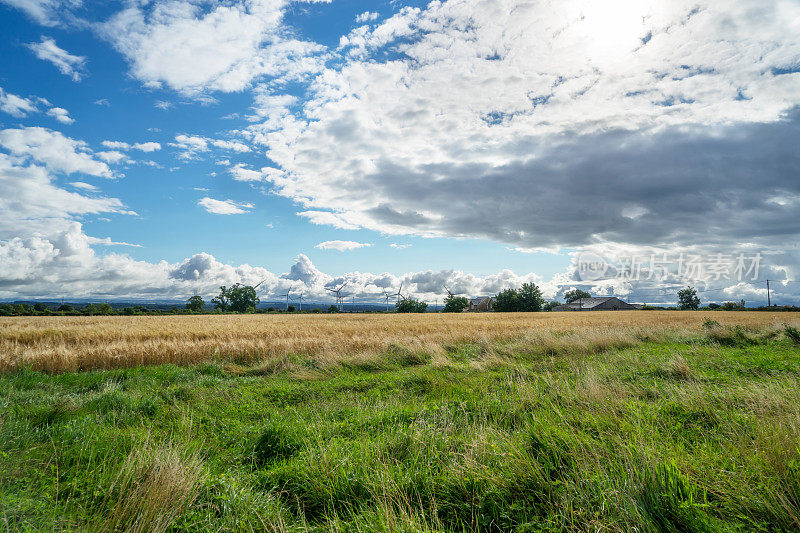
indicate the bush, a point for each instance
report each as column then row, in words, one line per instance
column 792, row 333
column 409, row 305
column 455, row 304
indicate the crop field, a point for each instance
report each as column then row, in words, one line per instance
column 596, row 421
column 68, row 344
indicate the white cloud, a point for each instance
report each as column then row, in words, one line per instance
column 32, row 205
column 112, row 157
column 54, row 150
column 366, row 16
column 16, row 106
column 342, row 246
column 106, row 241
column 327, row 218
column 60, row 114
column 399, row 246
column 223, row 207
column 194, row 48
column 121, row 145
column 532, row 106
column 84, row 186
column 230, row 145
column 68, row 64
column 116, row 145
column 192, row 145
column 103, row 102
column 45, row 12
column 241, row 173
column 163, row 105
column 147, row 146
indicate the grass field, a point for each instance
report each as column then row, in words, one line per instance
column 624, row 421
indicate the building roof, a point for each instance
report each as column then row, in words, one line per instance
column 586, row 303
column 479, row 299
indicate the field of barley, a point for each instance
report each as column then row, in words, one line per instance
column 68, row 344
column 542, row 422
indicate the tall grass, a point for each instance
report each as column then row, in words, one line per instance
column 154, row 486
column 67, row 344
column 572, row 425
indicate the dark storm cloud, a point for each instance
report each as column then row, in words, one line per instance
column 682, row 186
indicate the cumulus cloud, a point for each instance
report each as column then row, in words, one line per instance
column 144, row 147
column 60, row 114
column 28, row 192
column 224, row 207
column 112, row 157
column 366, row 16
column 147, row 146
column 342, row 246
column 70, row 65
column 57, row 152
column 16, row 106
column 501, row 120
column 193, row 47
column 192, row 145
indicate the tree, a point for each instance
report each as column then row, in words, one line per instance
column 195, row 304
column 409, row 305
column 291, row 309
column 40, row 307
column 527, row 298
column 65, row 308
column 222, row 301
column 687, row 299
column 455, row 304
column 333, row 309
column 530, row 298
column 238, row 298
column 548, row 306
column 507, row 301
column 575, row 294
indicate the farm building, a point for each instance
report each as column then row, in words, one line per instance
column 609, row 303
column 481, row 304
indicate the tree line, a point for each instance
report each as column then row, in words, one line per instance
column 240, row 298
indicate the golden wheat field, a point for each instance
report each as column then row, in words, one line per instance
column 62, row 344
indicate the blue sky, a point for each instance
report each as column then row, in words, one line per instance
column 216, row 142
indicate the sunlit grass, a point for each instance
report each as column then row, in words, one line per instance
column 63, row 344
column 592, row 426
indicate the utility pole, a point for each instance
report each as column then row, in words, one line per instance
column 769, row 304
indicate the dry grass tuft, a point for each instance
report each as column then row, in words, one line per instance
column 678, row 368
column 153, row 488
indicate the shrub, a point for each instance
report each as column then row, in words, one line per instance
column 792, row 333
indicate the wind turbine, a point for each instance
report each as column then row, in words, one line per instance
column 399, row 294
column 287, row 298
column 259, row 283
column 338, row 293
column 300, row 299
column 386, row 297
column 449, row 292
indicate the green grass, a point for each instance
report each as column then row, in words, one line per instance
column 697, row 435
